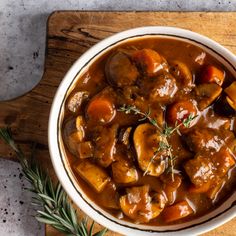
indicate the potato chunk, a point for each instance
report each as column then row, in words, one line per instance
column 146, row 139
column 138, row 205
column 109, row 197
column 93, row 175
column 85, row 150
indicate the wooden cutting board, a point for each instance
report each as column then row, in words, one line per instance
column 70, row 34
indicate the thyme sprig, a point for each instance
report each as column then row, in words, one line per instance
column 165, row 133
column 128, row 109
column 55, row 207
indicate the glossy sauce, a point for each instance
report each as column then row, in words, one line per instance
column 94, row 81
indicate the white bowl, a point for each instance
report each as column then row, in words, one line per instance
column 220, row 215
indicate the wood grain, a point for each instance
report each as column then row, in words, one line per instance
column 70, row 34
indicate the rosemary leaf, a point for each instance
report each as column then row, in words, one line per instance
column 91, row 229
column 57, row 210
column 46, row 220
column 101, row 233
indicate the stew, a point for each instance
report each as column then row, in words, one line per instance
column 149, row 131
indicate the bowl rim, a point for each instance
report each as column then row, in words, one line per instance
column 54, row 149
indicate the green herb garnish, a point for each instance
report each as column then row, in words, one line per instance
column 165, row 133
column 57, row 210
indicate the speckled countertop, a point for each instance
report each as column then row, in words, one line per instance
column 22, row 45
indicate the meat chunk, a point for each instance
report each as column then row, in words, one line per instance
column 209, row 167
column 120, row 71
column 105, row 141
column 200, row 169
column 162, row 88
column 138, row 205
column 204, row 140
column 94, row 175
column 170, row 186
column 123, row 171
column 223, row 161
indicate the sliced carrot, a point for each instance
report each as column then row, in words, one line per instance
column 202, row 189
column 179, row 111
column 177, row 211
column 148, row 60
column 101, row 110
column 212, row 74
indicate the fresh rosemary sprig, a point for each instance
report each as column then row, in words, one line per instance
column 165, row 133
column 57, row 210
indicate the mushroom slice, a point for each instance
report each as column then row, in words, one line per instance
column 124, row 136
column 120, row 71
column 206, row 94
column 75, row 101
column 146, row 141
column 138, row 205
column 182, row 73
column 77, row 136
column 94, row 175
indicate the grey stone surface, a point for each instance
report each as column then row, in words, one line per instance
column 15, row 209
column 22, row 45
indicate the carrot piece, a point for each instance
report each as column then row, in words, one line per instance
column 177, row 211
column 101, row 109
column 148, row 60
column 179, row 111
column 202, row 189
column 212, row 74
